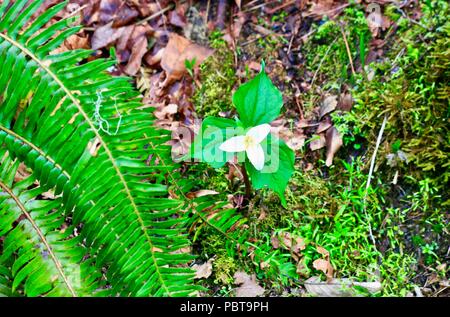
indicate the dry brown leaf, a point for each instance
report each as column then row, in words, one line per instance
column 322, row 8
column 203, row 270
column 50, row 194
column 165, row 112
column 289, row 242
column 248, row 285
column 21, row 173
column 345, row 102
column 339, row 287
column 296, row 141
column 323, row 251
column 275, row 242
column 334, row 142
column 328, row 105
column 254, row 66
column 324, row 125
column 324, row 266
column 177, row 51
column 156, row 249
column 318, row 142
column 106, row 35
column 137, row 53
column 201, row 193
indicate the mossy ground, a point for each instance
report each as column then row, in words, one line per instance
column 329, row 207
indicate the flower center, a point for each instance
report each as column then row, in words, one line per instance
column 249, row 141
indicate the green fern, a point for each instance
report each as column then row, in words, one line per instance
column 86, row 137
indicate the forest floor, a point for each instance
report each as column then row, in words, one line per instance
column 351, row 74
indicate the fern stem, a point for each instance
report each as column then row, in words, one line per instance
column 190, row 203
column 41, row 236
column 248, row 185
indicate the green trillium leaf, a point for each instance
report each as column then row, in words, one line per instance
column 213, row 132
column 278, row 167
column 258, row 101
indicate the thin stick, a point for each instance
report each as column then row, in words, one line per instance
column 372, row 164
column 207, row 11
column 75, row 12
column 155, row 15
column 348, row 51
column 321, row 62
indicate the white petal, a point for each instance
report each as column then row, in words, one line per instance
column 234, row 144
column 260, row 132
column 256, row 156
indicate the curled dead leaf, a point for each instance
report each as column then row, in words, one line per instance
column 323, row 251
column 165, row 112
column 106, row 35
column 318, row 142
column 203, row 270
column 201, row 193
column 248, row 285
column 328, row 105
column 334, row 142
column 324, row 125
column 324, row 266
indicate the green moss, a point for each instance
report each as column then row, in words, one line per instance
column 411, row 88
column 217, row 80
column 224, row 264
column 329, row 212
column 224, row 268
column 326, row 50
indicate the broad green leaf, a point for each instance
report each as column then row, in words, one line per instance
column 258, row 101
column 213, row 132
column 278, row 167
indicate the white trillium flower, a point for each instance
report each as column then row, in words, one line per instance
column 250, row 143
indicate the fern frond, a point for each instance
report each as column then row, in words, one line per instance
column 46, row 259
column 83, row 132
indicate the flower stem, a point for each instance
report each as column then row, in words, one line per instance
column 248, row 185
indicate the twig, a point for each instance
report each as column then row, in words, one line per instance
column 254, row 40
column 156, row 14
column 284, row 5
column 207, row 11
column 75, row 12
column 321, row 62
column 372, row 164
column 329, row 11
column 348, row 50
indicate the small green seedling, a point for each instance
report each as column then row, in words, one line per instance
column 190, row 64
column 265, row 159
